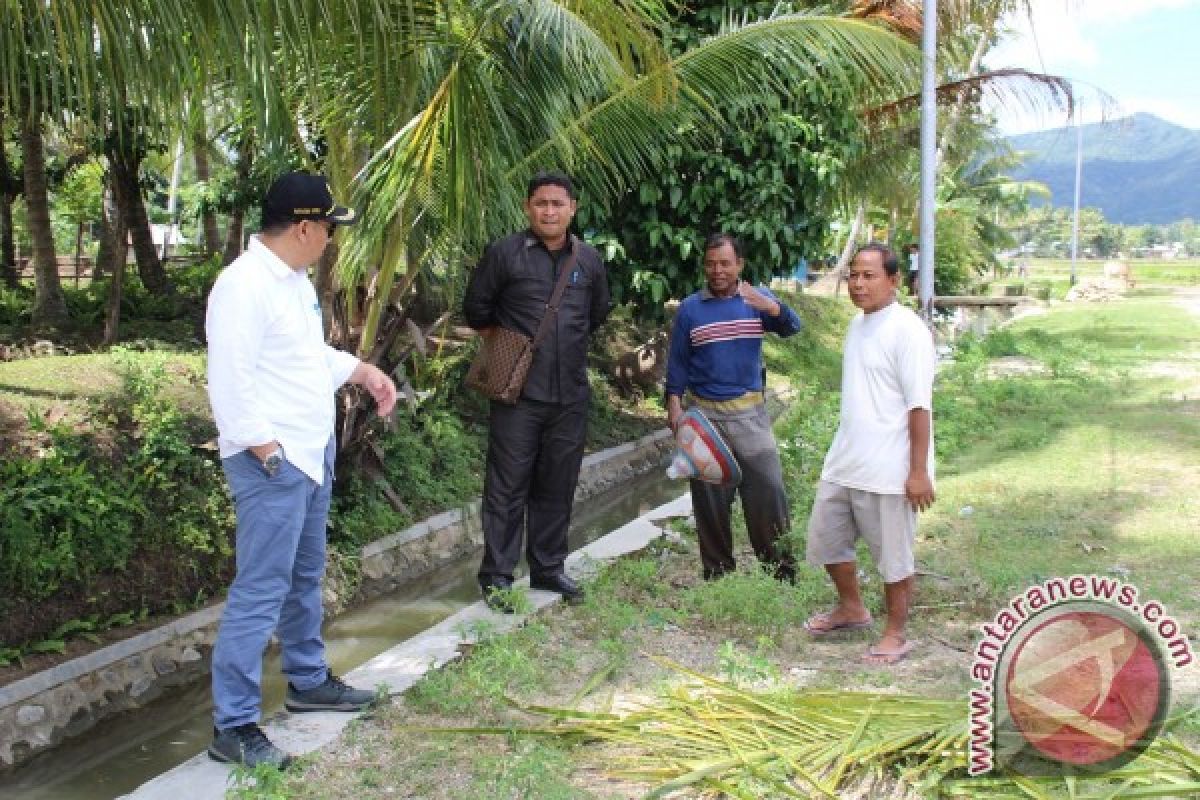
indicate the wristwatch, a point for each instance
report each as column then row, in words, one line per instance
column 273, row 462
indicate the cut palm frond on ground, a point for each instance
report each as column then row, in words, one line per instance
column 712, row 735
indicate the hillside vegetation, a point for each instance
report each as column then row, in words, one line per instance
column 1138, row 170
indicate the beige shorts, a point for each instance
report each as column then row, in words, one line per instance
column 886, row 522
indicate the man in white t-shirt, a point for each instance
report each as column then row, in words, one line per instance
column 879, row 470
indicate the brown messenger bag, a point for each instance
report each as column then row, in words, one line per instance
column 501, row 366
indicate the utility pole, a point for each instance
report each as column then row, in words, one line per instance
column 926, row 259
column 1078, row 185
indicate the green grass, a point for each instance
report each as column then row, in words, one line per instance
column 1101, row 455
column 527, row 768
column 1182, row 272
column 752, row 603
column 39, row 383
column 497, row 668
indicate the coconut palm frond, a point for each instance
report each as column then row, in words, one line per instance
column 460, row 163
column 1032, row 90
column 902, row 16
column 622, row 137
column 711, row 735
column 503, row 75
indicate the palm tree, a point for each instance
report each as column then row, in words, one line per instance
column 49, row 305
column 200, row 154
column 9, row 189
column 452, row 177
column 434, row 112
column 126, row 146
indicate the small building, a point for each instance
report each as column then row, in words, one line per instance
column 168, row 241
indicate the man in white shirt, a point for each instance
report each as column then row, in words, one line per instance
column 879, row 470
column 271, row 383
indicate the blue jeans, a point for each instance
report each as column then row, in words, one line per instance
column 280, row 561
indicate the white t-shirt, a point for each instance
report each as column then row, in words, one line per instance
column 887, row 371
column 271, row 377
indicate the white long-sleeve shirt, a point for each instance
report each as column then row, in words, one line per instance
column 271, row 377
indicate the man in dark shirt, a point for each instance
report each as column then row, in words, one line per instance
column 535, row 447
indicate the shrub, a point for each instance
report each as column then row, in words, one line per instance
column 127, row 516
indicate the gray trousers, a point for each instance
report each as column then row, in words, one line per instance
column 764, row 501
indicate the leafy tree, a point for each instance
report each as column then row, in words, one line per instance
column 79, row 201
column 767, row 172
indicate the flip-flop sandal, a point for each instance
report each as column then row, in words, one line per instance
column 888, row 659
column 835, row 628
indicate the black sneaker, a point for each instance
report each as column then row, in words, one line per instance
column 246, row 744
column 332, row 695
column 571, row 591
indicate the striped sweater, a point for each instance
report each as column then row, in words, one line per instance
column 716, row 345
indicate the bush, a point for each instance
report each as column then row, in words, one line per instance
column 128, row 516
column 16, row 306
column 430, row 459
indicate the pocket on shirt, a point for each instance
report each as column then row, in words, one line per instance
column 578, row 295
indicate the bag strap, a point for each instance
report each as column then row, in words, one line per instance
column 564, row 272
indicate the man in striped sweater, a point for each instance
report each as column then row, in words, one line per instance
column 716, row 360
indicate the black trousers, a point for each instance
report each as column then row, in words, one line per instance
column 534, row 453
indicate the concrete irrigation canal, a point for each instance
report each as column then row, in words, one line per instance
column 415, row 625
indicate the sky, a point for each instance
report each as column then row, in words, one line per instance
column 1144, row 54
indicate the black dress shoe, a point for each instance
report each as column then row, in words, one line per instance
column 716, row 573
column 497, row 593
column 784, row 572
column 571, row 591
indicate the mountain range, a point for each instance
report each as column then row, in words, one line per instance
column 1137, row 170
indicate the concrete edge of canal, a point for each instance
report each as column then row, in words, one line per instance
column 201, row 778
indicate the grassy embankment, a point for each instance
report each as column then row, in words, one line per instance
column 1078, row 458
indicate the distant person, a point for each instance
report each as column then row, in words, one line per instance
column 271, row 382
column 716, row 358
column 914, row 269
column 535, row 447
column 879, row 470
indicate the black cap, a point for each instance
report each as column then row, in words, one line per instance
column 299, row 195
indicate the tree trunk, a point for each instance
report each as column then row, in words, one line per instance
column 323, row 283
column 78, row 251
column 208, row 217
column 233, row 237
column 235, row 234
column 8, row 249
column 114, row 240
column 957, row 109
column 125, row 168
column 112, row 306
column 851, row 243
column 49, row 304
column 8, row 193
